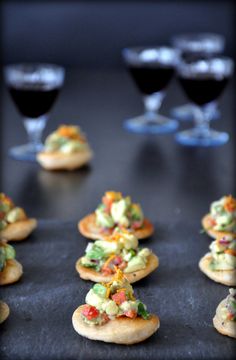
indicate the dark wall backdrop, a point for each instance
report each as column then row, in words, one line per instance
column 92, row 33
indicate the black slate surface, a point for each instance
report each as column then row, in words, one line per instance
column 42, row 303
column 174, row 185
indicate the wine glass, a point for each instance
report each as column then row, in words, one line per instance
column 152, row 68
column 203, row 82
column 192, row 47
column 33, row 88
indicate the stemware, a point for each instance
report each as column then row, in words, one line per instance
column 194, row 46
column 152, row 69
column 33, row 88
column 203, row 81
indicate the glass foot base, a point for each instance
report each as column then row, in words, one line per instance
column 194, row 138
column 25, row 152
column 142, row 125
column 186, row 113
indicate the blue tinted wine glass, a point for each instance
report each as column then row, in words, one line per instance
column 152, row 70
column 203, row 81
column 33, row 88
column 195, row 46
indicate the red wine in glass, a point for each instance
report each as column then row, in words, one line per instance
column 203, row 81
column 34, row 89
column 151, row 79
column 203, row 89
column 194, row 47
column 152, row 69
column 33, row 101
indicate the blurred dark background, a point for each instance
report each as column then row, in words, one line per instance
column 92, row 33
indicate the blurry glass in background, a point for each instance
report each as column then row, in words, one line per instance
column 33, row 88
column 203, row 82
column 152, row 70
column 194, row 47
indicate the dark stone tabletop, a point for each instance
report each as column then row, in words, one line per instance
column 175, row 186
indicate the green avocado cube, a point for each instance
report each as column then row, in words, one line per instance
column 100, row 290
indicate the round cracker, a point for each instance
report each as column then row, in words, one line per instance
column 225, row 327
column 226, row 277
column 60, row 161
column 11, row 273
column 19, row 230
column 207, row 226
column 4, row 311
column 90, row 274
column 88, row 227
column 119, row 331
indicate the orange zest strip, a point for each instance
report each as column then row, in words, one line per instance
column 230, row 203
column 230, row 252
column 109, row 260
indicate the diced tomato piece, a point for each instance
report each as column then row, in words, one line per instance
column 107, row 271
column 117, row 260
column 230, row 204
column 131, row 314
column 110, row 267
column 90, row 312
column 123, row 265
column 119, row 297
column 230, row 316
column 211, row 221
column 136, row 224
column 106, row 231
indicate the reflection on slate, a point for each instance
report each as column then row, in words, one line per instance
column 42, row 303
column 199, row 165
column 150, row 161
column 55, row 188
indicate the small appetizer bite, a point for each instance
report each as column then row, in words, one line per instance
column 10, row 269
column 4, row 311
column 119, row 250
column 222, row 218
column 14, row 223
column 220, row 264
column 112, row 314
column 115, row 211
column 65, row 149
column 225, row 318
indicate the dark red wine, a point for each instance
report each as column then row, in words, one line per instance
column 151, row 79
column 202, row 89
column 33, row 100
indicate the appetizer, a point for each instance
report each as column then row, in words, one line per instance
column 222, row 218
column 112, row 314
column 4, row 311
column 115, row 211
column 220, row 264
column 14, row 223
column 65, row 149
column 119, row 250
column 10, row 269
column 225, row 318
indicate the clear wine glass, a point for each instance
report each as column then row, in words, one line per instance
column 192, row 47
column 203, row 81
column 152, row 69
column 33, row 88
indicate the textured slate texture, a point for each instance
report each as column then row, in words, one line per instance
column 175, row 187
column 42, row 303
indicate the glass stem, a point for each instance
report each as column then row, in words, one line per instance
column 34, row 129
column 152, row 104
column 202, row 119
